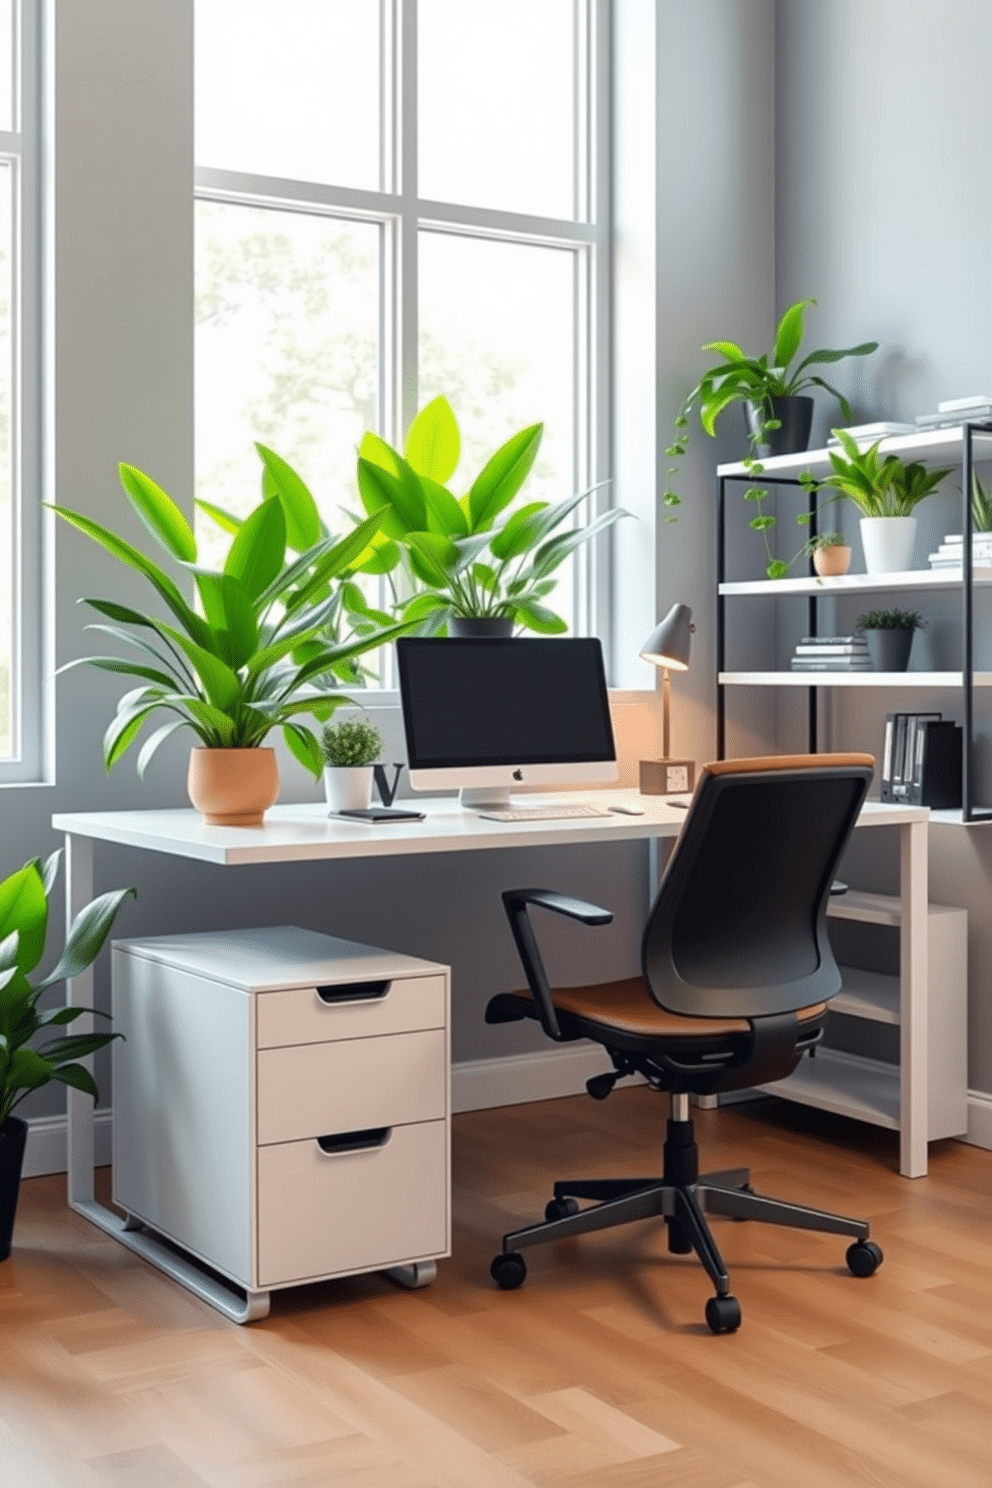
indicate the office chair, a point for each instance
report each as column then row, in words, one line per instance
column 737, row 972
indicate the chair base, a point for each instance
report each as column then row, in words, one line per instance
column 683, row 1200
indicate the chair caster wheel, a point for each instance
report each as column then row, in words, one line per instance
column 508, row 1271
column 560, row 1209
column 864, row 1257
column 723, row 1314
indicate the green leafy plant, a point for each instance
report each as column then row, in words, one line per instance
column 738, row 378
column 353, row 742
column 891, row 620
column 879, row 486
column 981, row 505
column 252, row 661
column 464, row 556
column 33, row 1050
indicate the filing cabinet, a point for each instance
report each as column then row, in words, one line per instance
column 281, row 1104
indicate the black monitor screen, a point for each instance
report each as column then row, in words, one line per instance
column 494, row 702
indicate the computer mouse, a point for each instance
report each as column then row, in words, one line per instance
column 627, row 810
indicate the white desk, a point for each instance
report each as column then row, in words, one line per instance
column 293, row 834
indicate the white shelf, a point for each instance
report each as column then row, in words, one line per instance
column 877, row 909
column 929, row 444
column 946, row 680
column 865, row 1089
column 868, row 994
column 859, row 583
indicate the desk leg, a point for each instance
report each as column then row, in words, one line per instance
column 79, row 991
column 914, row 982
column 81, row 1193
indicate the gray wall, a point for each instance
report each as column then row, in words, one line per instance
column 883, row 140
column 715, row 280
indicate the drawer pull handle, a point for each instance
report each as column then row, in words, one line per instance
column 352, row 992
column 340, row 1143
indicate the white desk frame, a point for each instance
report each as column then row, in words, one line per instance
column 293, row 834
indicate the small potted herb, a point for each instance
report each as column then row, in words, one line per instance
column 889, row 634
column 830, row 554
column 350, row 749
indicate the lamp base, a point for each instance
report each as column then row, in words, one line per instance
column 667, row 777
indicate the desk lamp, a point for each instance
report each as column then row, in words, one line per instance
column 668, row 647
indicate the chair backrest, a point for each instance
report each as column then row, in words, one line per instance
column 738, row 928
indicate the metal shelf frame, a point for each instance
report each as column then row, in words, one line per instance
column 971, row 812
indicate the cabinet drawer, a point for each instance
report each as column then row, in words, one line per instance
column 322, row 1214
column 313, row 1090
column 306, row 1015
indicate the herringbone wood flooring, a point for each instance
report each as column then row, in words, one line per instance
column 598, row 1373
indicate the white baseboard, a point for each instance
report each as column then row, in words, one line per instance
column 480, row 1084
column 47, row 1142
column 979, row 1132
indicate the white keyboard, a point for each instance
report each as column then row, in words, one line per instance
column 541, row 813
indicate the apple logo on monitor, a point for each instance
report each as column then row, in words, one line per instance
column 518, row 774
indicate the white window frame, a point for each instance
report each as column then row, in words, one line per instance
column 31, row 682
column 401, row 214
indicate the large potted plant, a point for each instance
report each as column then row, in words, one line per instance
column 33, row 1048
column 886, row 490
column 249, row 663
column 778, row 411
column 475, row 567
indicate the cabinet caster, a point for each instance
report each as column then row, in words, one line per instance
column 417, row 1274
column 560, row 1209
column 508, row 1271
column 723, row 1314
column 864, row 1257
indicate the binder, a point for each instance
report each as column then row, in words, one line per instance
column 905, row 732
column 936, row 777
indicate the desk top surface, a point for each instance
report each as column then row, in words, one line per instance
column 296, row 833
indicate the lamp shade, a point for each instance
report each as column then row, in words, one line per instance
column 668, row 643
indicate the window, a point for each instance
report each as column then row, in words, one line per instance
column 398, row 198
column 20, row 562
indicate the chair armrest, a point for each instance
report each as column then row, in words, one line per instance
column 515, row 902
column 563, row 904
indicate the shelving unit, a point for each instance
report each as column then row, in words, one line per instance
column 870, row 1089
column 967, row 441
column 924, row 1095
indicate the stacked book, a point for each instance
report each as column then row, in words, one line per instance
column 977, row 407
column 832, row 654
column 950, row 554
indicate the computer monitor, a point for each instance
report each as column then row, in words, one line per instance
column 485, row 715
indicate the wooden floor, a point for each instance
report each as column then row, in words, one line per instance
column 598, row 1373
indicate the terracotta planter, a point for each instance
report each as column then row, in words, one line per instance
column 233, row 787
column 830, row 563
column 13, row 1135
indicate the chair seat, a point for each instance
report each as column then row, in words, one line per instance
column 629, row 1007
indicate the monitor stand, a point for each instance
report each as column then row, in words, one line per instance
column 484, row 797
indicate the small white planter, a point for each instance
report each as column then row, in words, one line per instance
column 348, row 787
column 888, row 543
